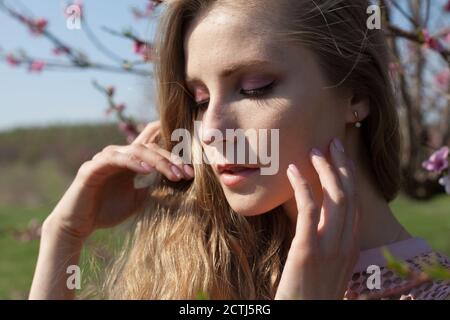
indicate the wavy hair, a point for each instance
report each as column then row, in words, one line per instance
column 187, row 240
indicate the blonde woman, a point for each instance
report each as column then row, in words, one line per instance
column 309, row 68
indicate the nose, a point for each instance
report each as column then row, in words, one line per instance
column 217, row 118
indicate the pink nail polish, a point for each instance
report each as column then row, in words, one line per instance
column 293, row 168
column 316, row 152
column 189, row 170
column 338, row 145
column 146, row 166
column 176, row 171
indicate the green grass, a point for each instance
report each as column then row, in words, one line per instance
column 18, row 259
column 430, row 220
column 37, row 166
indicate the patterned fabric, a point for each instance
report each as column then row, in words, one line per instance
column 415, row 252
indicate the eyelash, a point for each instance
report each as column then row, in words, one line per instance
column 250, row 94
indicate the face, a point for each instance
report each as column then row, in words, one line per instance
column 242, row 78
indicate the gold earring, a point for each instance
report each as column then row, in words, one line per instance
column 358, row 123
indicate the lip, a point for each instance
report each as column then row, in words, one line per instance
column 230, row 177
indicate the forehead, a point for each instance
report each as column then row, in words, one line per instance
column 223, row 37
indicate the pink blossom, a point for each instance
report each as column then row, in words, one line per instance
column 143, row 49
column 37, row 66
column 395, row 68
column 443, row 78
column 138, row 47
column 438, row 161
column 13, row 61
column 432, row 42
column 110, row 91
column 445, row 181
column 150, row 8
column 118, row 108
column 37, row 27
column 138, row 14
column 447, row 6
column 129, row 131
column 60, row 50
column 147, row 55
column 124, row 126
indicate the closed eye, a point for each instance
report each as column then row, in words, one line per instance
column 253, row 93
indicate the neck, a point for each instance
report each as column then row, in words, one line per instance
column 378, row 224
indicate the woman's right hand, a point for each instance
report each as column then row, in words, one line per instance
column 102, row 194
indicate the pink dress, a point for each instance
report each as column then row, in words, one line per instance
column 413, row 251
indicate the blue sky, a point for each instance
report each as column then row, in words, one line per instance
column 68, row 96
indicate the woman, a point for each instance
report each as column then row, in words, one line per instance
column 311, row 69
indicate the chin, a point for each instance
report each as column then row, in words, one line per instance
column 253, row 204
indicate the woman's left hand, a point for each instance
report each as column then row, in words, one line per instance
column 321, row 258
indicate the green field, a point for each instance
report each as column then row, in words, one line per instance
column 37, row 165
column 17, row 258
column 429, row 220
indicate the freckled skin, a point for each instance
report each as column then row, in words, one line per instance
column 307, row 114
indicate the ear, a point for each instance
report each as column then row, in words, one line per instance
column 360, row 103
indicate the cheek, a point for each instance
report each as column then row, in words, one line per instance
column 302, row 127
column 308, row 118
column 298, row 131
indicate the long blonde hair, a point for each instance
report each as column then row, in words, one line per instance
column 187, row 240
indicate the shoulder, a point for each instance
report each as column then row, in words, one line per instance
column 394, row 287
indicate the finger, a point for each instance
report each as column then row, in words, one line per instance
column 107, row 162
column 106, row 149
column 357, row 219
column 149, row 133
column 344, row 170
column 356, row 229
column 186, row 169
column 334, row 206
column 180, row 170
column 156, row 160
column 308, row 212
column 122, row 149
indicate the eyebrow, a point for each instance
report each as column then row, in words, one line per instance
column 233, row 68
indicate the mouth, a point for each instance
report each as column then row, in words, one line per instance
column 232, row 175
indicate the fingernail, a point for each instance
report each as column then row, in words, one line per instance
column 295, row 173
column 316, row 152
column 189, row 170
column 176, row 171
column 338, row 145
column 146, row 166
column 293, row 168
